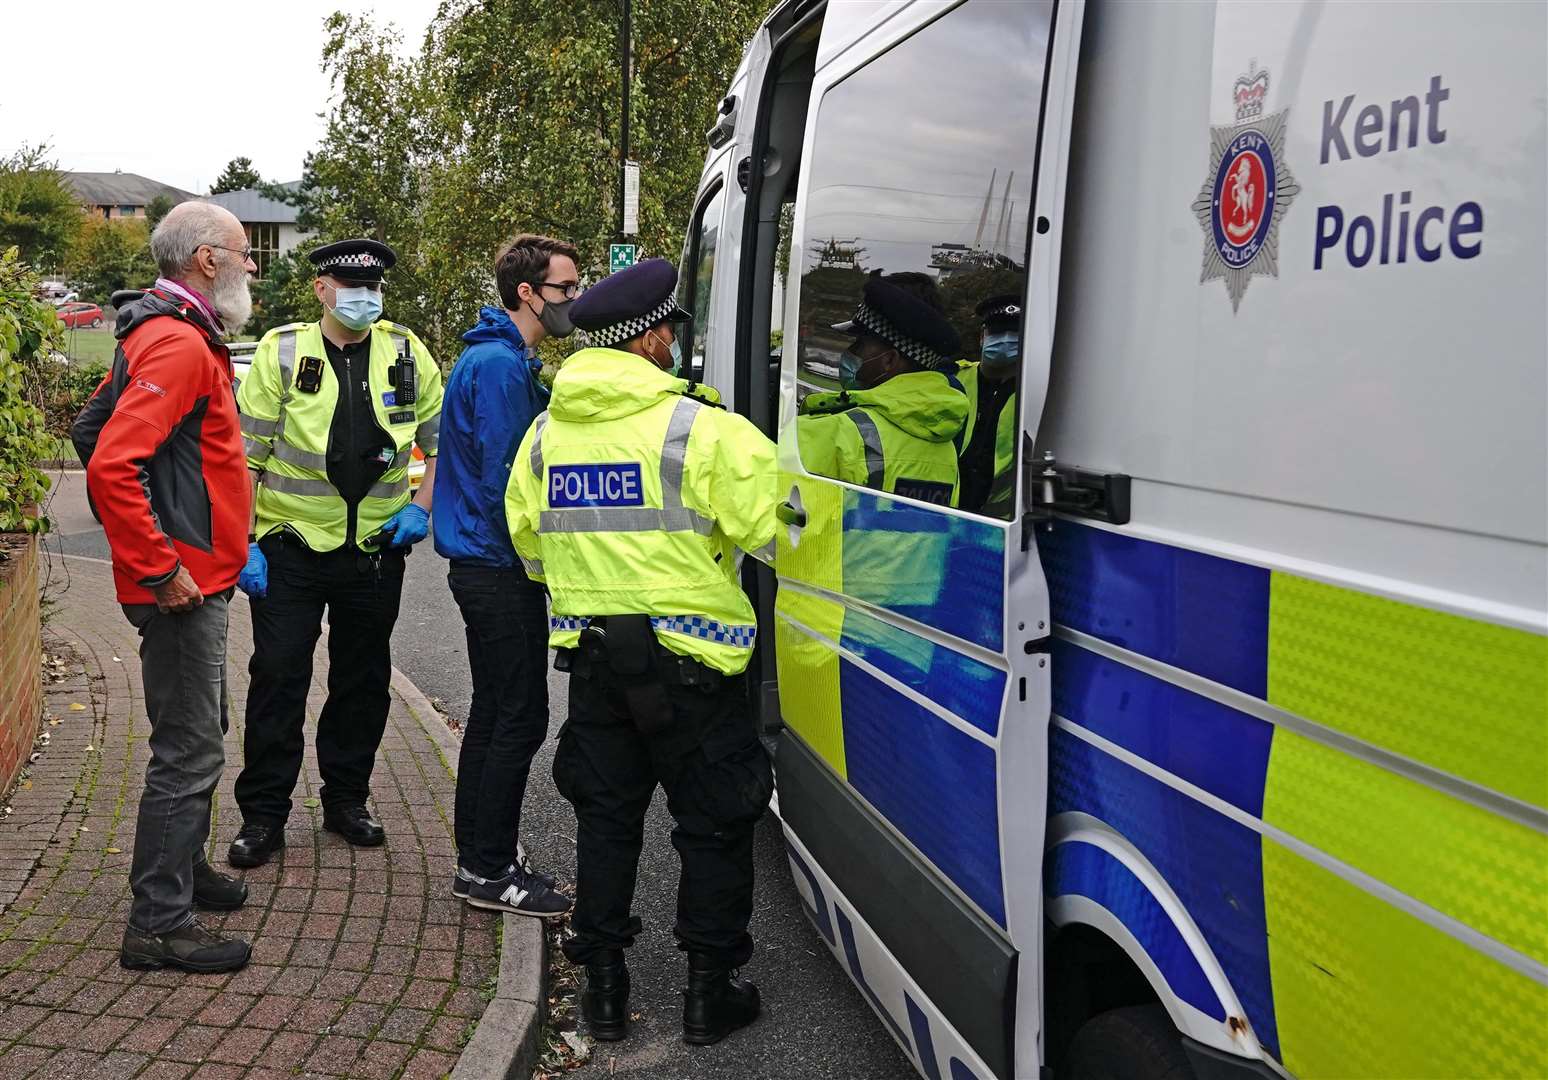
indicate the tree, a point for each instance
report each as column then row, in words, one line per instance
column 239, row 176
column 39, row 214
column 157, row 209
column 111, row 255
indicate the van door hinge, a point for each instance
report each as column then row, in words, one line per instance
column 1067, row 489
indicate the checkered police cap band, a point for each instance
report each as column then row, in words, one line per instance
column 360, row 260
column 631, row 328
column 917, row 351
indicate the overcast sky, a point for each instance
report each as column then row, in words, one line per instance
column 174, row 92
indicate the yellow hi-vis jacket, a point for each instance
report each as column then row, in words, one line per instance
column 629, row 498
column 1002, row 489
column 285, row 431
column 895, row 437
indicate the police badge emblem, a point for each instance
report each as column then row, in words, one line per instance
column 1248, row 190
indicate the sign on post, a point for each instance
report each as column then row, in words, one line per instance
column 631, row 198
column 620, row 257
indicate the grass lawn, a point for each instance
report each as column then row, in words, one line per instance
column 85, row 346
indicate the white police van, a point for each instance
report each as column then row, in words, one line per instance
column 1224, row 751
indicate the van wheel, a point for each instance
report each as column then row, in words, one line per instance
column 1135, row 1043
column 96, row 323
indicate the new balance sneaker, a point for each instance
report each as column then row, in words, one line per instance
column 518, row 892
column 460, row 882
column 526, row 864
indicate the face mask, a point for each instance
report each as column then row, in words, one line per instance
column 555, row 319
column 849, row 371
column 1001, row 351
column 677, row 358
column 357, row 308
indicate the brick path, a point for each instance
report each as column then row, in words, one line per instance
column 362, row 963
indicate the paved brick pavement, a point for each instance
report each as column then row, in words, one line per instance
column 362, row 963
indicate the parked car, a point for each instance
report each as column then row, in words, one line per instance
column 242, row 362
column 76, row 315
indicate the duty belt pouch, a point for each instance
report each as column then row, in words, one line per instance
column 631, row 654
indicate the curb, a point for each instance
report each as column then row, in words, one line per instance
column 504, row 1045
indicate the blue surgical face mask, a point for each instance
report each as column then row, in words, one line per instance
column 677, row 357
column 1001, row 351
column 357, row 308
column 849, row 371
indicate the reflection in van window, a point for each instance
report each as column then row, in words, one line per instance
column 914, row 260
column 699, row 275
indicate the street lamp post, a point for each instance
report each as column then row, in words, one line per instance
column 625, row 66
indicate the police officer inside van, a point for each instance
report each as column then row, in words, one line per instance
column 988, row 439
column 892, row 426
column 631, row 498
column 330, row 414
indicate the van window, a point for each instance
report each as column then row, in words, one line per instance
column 697, row 277
column 921, row 173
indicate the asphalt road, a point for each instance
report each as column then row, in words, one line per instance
column 815, row 1025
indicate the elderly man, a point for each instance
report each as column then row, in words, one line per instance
column 167, row 474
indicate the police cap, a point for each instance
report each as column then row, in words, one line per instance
column 353, row 260
column 626, row 304
column 1001, row 312
column 906, row 323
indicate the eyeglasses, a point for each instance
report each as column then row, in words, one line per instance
column 571, row 289
column 246, row 252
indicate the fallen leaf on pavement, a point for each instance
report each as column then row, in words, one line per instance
column 76, row 706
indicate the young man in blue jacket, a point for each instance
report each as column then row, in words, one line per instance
column 490, row 400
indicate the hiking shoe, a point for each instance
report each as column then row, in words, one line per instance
column 215, row 891
column 517, row 892
column 188, row 948
column 255, row 843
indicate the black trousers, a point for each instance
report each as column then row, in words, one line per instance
column 360, row 594
column 717, row 780
column 507, row 628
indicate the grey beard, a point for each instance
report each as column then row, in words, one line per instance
column 233, row 299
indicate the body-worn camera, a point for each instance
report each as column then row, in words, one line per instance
column 309, row 375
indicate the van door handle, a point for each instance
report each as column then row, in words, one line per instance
column 790, row 515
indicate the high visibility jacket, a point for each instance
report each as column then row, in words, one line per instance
column 286, row 433
column 629, row 497
column 1002, row 491
column 896, row 437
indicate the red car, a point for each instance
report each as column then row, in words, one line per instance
column 81, row 315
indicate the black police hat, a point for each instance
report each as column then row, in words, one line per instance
column 906, row 323
column 353, row 260
column 1001, row 312
column 626, row 304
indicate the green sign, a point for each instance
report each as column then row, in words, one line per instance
column 621, row 257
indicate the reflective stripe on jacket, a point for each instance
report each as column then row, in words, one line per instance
column 285, row 432
column 629, row 497
column 896, row 437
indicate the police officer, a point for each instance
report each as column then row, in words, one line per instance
column 989, row 438
column 892, row 426
column 330, row 412
column 631, row 498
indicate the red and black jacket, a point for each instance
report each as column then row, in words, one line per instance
column 162, row 445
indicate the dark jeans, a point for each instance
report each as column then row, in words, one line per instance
column 361, row 595
column 507, row 628
column 717, row 780
column 183, row 663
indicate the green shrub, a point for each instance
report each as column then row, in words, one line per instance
column 30, row 336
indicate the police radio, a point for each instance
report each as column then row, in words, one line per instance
column 403, row 376
column 309, row 378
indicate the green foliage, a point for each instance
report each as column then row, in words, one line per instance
column 69, row 393
column 29, row 338
column 155, row 210
column 39, row 214
column 111, row 255
column 508, row 122
column 239, row 175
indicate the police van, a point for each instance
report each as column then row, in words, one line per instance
column 1221, row 749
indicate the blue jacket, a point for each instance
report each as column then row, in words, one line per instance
column 490, row 401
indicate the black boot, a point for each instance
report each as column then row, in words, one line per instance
column 716, row 1002
column 605, row 1001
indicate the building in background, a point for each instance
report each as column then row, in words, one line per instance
column 119, row 194
column 270, row 224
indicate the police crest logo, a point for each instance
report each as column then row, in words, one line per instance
column 1248, row 190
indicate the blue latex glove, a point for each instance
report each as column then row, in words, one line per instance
column 254, row 578
column 407, row 527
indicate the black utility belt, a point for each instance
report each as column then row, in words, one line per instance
column 597, row 652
